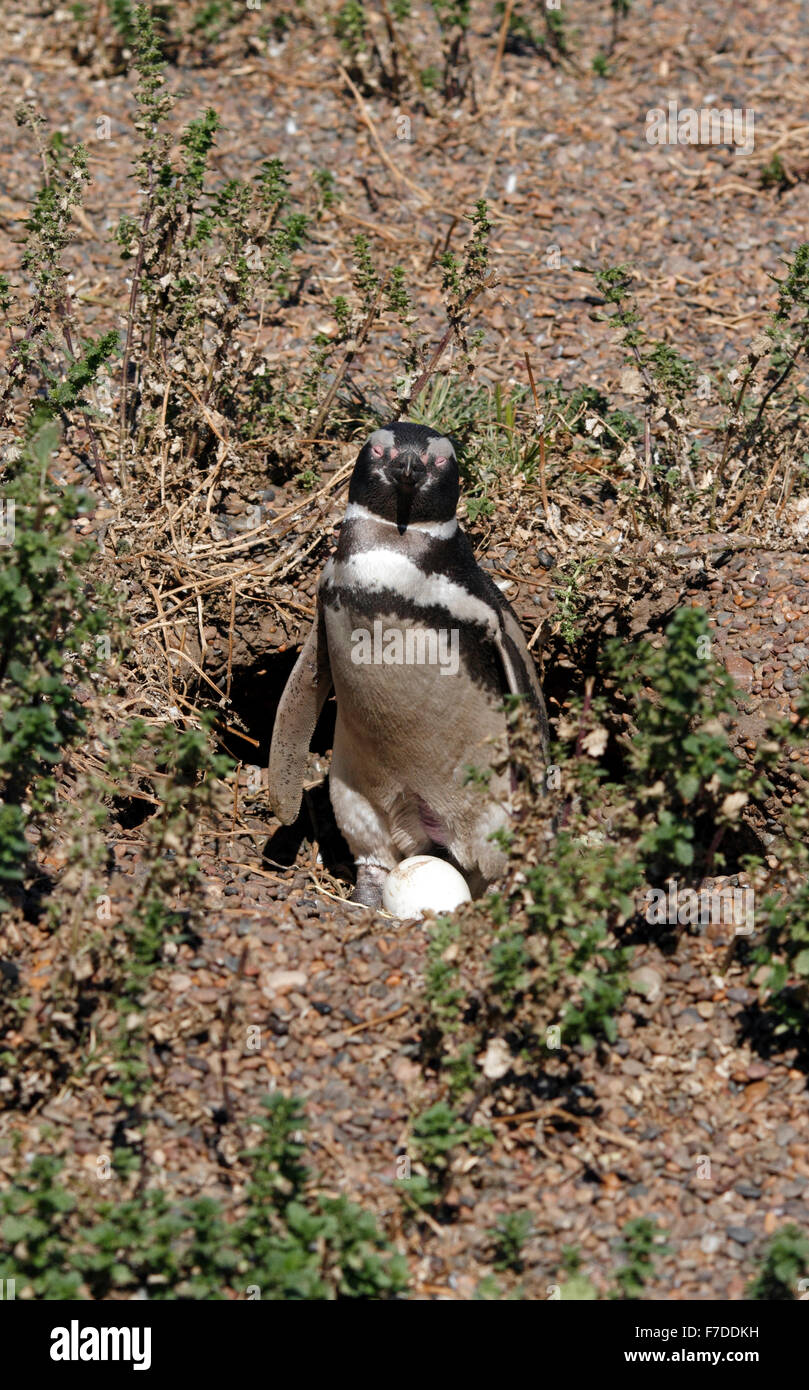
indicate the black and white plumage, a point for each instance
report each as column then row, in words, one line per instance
column 420, row 647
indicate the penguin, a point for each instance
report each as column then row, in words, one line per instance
column 420, row 648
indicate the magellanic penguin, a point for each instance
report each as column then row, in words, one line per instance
column 420, row 647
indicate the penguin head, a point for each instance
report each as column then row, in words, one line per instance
column 406, row 473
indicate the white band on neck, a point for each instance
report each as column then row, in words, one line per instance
column 439, row 530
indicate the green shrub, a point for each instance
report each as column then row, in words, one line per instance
column 51, row 616
column 678, row 693
column 436, row 1134
column 640, row 1242
column 784, row 1264
column 290, row 1242
column 508, row 1238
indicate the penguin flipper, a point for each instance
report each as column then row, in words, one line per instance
column 520, row 672
column 303, row 698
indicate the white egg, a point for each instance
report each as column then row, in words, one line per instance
column 424, row 884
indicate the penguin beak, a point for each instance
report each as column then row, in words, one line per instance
column 408, row 474
column 406, row 477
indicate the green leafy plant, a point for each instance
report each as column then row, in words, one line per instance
column 556, row 25
column 784, row 1264
column 291, row 1242
column 665, row 380
column 782, row 346
column 48, row 370
column 453, row 18
column 508, row 1238
column 464, row 279
column 583, row 898
column 778, row 949
column 706, row 781
column 774, row 175
column 33, row 1211
column 441, row 982
column 620, row 9
column 571, row 598
column 204, row 259
column 212, row 16
column 351, row 27
column 641, row 1242
column 587, row 414
column 378, row 63
column 50, row 620
column 188, row 770
column 436, row 1134
column 295, row 1246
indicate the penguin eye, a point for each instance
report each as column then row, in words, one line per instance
column 377, row 451
column 442, row 458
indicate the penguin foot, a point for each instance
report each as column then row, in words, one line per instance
column 370, row 882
